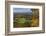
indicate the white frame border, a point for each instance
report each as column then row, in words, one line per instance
column 25, row 29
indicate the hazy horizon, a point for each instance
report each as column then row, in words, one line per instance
column 22, row 10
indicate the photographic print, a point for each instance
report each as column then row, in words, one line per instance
column 25, row 17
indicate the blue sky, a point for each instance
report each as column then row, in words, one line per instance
column 21, row 10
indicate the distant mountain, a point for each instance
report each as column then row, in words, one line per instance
column 21, row 10
column 25, row 13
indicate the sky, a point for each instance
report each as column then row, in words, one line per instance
column 21, row 10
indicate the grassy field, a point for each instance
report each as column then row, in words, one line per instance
column 27, row 20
